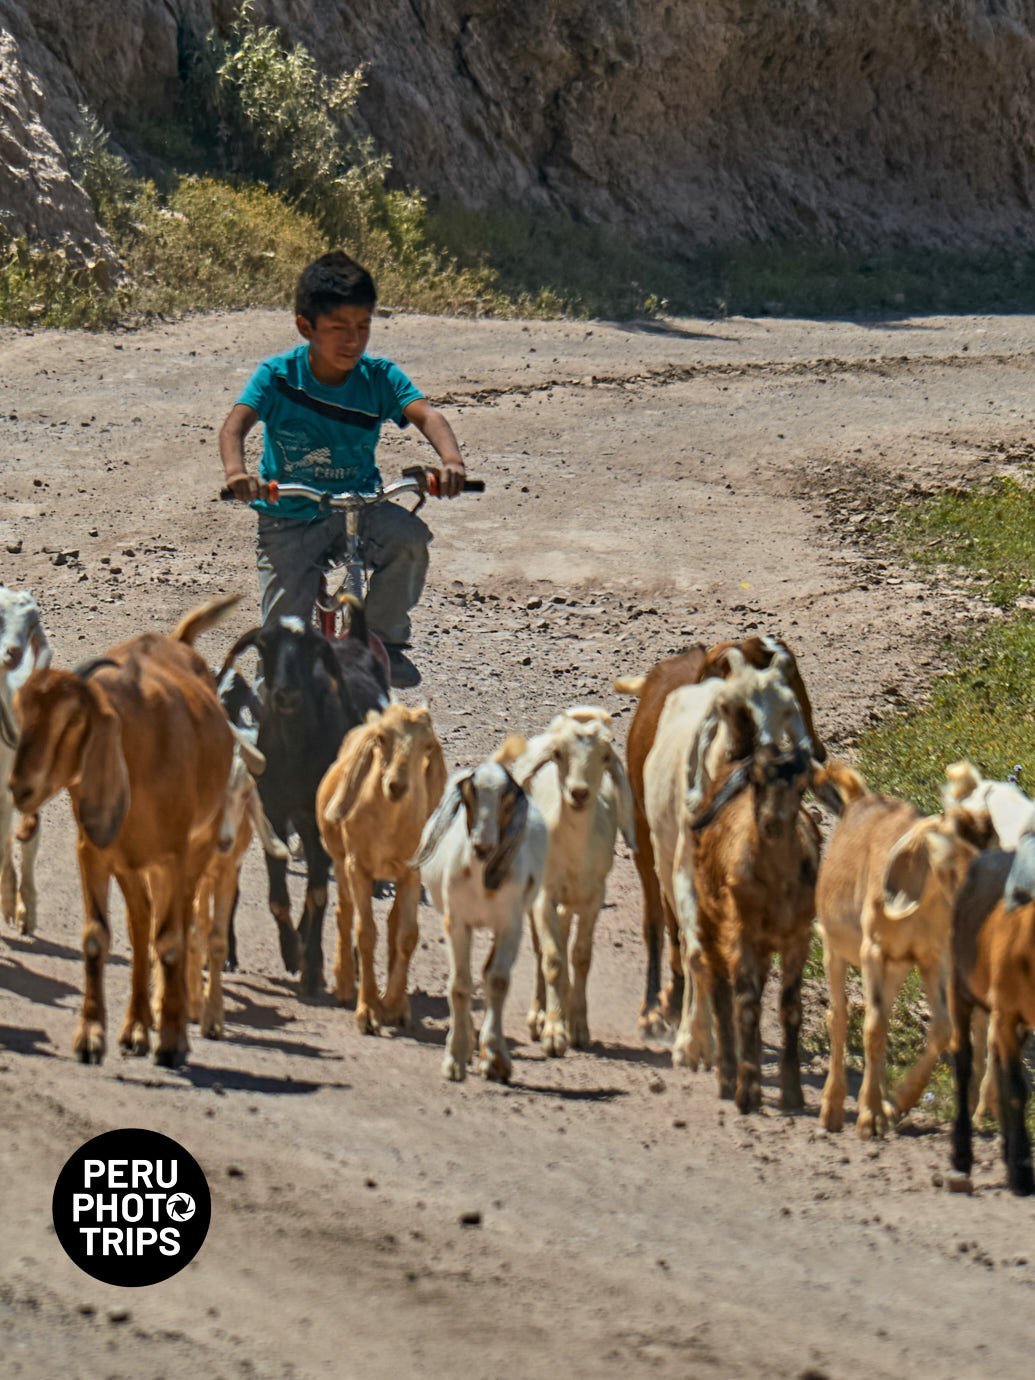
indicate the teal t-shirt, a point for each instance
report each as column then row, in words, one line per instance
column 321, row 435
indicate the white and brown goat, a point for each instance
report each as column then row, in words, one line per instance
column 482, row 858
column 23, row 649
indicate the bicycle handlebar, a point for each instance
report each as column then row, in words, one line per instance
column 414, row 483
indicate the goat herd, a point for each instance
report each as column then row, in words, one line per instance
column 170, row 770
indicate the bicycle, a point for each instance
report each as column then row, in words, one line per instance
column 329, row 612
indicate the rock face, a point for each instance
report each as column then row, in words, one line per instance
column 690, row 123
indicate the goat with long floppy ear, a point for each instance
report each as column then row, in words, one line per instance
column 103, row 792
column 498, row 863
column 344, row 797
column 441, row 818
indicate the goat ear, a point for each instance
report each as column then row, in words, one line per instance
column 344, row 795
column 623, row 800
column 908, row 868
column 441, row 819
column 40, row 647
column 737, row 781
column 499, row 863
column 254, row 760
column 252, row 638
column 435, row 774
column 102, row 794
column 972, row 826
column 736, row 661
column 538, row 762
column 961, row 780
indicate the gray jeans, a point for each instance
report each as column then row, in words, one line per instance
column 395, row 547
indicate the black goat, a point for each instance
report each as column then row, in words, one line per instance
column 315, row 692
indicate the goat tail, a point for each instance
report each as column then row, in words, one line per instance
column 357, row 617
column 205, row 616
column 837, row 785
column 629, row 685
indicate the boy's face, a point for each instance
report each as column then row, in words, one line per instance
column 336, row 340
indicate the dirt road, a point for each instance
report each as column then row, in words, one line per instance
column 646, row 488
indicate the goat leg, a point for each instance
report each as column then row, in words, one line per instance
column 749, row 974
column 172, row 892
column 651, row 1021
column 8, row 880
column 460, row 1039
column 555, row 972
column 581, row 958
column 310, row 929
column 962, row 1134
column 832, row 1107
column 939, row 1032
column 881, row 983
column 280, row 901
column 231, row 934
column 984, row 1041
column 25, row 907
column 369, row 1016
column 404, row 927
column 722, row 997
column 537, row 1005
column 1013, row 1099
column 495, row 1062
column 88, row 1043
column 792, row 965
column 223, row 899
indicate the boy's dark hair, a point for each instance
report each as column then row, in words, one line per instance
column 333, row 280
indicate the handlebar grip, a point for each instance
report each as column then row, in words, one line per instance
column 474, row 486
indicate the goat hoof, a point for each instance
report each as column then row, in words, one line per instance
column 289, row 950
column 1023, row 1182
column 791, row 1099
column 454, row 1069
column 496, row 1066
column 727, row 1089
column 174, row 1058
column 554, row 1040
column 398, row 1016
column 580, row 1034
column 831, row 1117
column 871, row 1125
column 536, row 1021
column 135, row 1039
column 749, row 1099
column 684, row 1057
column 89, row 1043
column 368, row 1020
column 212, row 1028
column 653, row 1026
column 25, row 920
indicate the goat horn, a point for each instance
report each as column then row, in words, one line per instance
column 85, row 669
column 736, row 782
column 252, row 638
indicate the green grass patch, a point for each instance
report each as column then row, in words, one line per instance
column 982, row 708
column 988, row 531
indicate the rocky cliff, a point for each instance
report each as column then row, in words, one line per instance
column 690, row 123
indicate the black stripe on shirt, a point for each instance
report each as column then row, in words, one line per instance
column 325, row 409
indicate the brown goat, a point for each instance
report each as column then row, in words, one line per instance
column 372, row 805
column 994, row 970
column 756, row 854
column 141, row 742
column 885, row 896
column 660, row 1009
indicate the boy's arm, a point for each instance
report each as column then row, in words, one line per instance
column 239, row 421
column 436, row 430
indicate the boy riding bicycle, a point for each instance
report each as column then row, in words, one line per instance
column 322, row 405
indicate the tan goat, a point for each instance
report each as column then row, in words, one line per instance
column 141, row 742
column 755, row 857
column 884, row 901
column 372, row 805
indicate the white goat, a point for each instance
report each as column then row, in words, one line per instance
column 701, row 726
column 23, row 649
column 575, row 776
column 482, row 856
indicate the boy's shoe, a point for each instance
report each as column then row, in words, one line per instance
column 404, row 674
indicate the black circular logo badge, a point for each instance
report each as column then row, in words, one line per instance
column 132, row 1207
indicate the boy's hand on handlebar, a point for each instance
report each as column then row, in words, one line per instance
column 244, row 487
column 449, row 478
